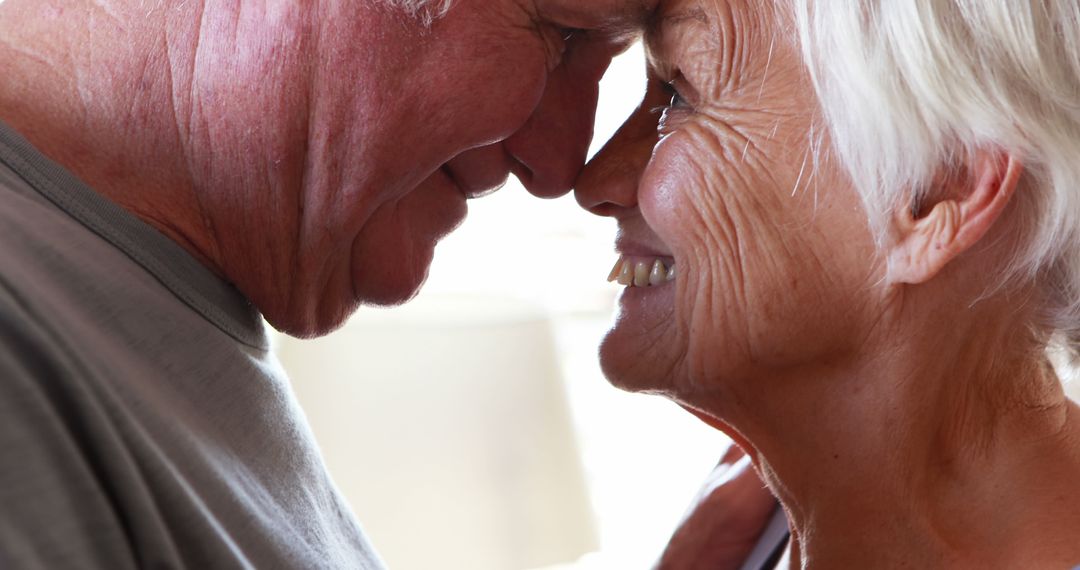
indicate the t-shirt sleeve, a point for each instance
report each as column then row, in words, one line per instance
column 55, row 510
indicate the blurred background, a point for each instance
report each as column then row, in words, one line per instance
column 472, row 428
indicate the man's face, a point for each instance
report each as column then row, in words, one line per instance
column 409, row 123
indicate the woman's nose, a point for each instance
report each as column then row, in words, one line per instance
column 609, row 183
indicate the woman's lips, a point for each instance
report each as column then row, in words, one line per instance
column 643, row 271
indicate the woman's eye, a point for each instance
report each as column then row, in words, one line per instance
column 677, row 100
column 675, row 112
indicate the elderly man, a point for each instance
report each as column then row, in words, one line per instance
column 172, row 172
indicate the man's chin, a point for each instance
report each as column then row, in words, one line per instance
column 328, row 308
column 388, row 289
column 390, row 296
column 310, row 325
column 328, row 317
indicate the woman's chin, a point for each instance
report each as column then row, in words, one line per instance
column 637, row 354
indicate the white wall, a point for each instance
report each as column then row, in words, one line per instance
column 445, row 423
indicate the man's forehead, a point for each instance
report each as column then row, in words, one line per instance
column 666, row 20
column 628, row 15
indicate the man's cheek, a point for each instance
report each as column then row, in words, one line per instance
column 486, row 109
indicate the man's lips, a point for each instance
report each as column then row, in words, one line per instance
column 472, row 192
column 452, row 207
column 445, row 169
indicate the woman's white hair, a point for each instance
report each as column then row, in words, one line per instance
column 911, row 88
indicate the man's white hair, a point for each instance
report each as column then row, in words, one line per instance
column 427, row 10
column 910, row 88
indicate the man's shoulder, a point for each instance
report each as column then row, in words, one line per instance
column 61, row 275
column 37, row 279
column 43, row 250
column 122, row 408
column 50, row 479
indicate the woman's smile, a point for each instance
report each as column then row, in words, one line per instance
column 642, row 271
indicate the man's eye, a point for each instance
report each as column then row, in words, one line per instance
column 570, row 33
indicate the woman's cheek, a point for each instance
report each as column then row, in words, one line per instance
column 682, row 202
column 663, row 187
column 685, row 196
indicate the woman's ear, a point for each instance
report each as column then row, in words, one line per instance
column 927, row 243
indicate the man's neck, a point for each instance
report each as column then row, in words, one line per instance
column 239, row 130
column 108, row 101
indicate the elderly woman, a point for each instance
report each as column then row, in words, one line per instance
column 851, row 240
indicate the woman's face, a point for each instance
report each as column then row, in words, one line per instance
column 775, row 269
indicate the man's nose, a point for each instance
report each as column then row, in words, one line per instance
column 608, row 185
column 551, row 147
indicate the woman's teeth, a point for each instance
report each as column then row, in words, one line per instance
column 641, row 273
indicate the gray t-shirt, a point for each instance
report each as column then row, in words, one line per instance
column 144, row 422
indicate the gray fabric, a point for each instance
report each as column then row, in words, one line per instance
column 143, row 421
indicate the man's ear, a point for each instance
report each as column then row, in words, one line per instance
column 927, row 243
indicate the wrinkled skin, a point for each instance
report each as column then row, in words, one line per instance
column 313, row 153
column 721, row 185
column 718, row 183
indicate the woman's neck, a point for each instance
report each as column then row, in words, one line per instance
column 908, row 504
column 949, row 449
